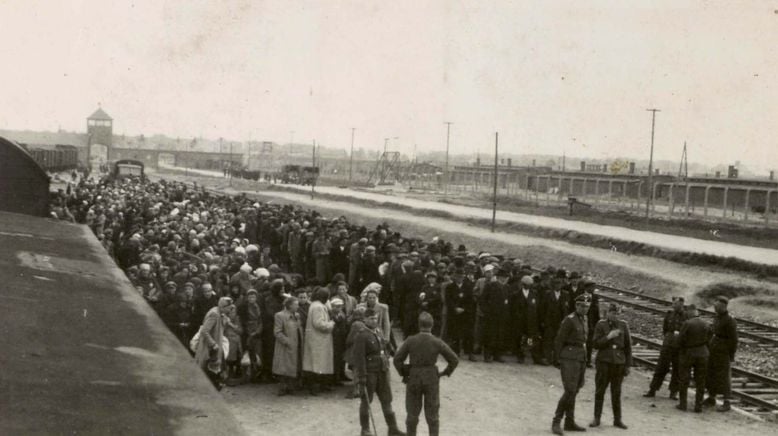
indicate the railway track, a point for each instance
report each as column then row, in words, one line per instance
column 752, row 392
column 749, row 332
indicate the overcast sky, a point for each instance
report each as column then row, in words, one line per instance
column 566, row 76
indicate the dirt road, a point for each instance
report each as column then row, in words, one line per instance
column 482, row 399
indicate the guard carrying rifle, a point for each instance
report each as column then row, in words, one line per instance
column 371, row 367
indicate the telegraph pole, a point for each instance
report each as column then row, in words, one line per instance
column 351, row 157
column 494, row 193
column 313, row 179
column 650, row 195
column 231, row 166
column 448, row 136
column 291, row 141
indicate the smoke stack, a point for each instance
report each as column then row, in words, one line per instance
column 604, row 168
column 583, row 166
column 632, row 167
column 772, row 175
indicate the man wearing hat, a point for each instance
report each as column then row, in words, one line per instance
column 723, row 345
column 354, row 260
column 554, row 308
column 460, row 310
column 614, row 359
column 524, row 311
column 495, row 306
column 668, row 356
column 693, row 342
column 431, row 301
column 570, row 357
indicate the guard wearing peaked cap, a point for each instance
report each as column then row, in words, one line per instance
column 570, row 357
column 723, row 345
column 614, row 358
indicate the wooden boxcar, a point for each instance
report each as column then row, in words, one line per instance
column 24, row 185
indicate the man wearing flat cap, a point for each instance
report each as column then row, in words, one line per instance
column 723, row 345
column 614, row 359
column 570, row 357
column 693, row 342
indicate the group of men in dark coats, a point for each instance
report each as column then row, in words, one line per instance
column 695, row 348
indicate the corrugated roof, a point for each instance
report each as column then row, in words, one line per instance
column 100, row 115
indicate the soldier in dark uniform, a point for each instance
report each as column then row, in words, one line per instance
column 524, row 312
column 494, row 305
column 668, row 356
column 614, row 358
column 422, row 374
column 570, row 343
column 371, row 368
column 460, row 307
column 693, row 342
column 723, row 346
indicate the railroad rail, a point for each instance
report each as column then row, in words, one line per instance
column 754, row 393
column 750, row 332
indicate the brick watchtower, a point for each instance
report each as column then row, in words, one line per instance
column 99, row 128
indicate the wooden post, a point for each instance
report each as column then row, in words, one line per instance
column 705, row 201
column 494, row 193
column 724, row 204
column 767, row 207
column 745, row 209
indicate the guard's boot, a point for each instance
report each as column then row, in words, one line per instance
column 410, row 427
column 364, row 422
column 556, row 428
column 650, row 394
column 597, row 411
column 570, row 425
column 595, row 422
column 709, row 402
column 391, row 422
column 617, row 423
column 673, row 395
column 725, row 407
column 434, row 428
column 681, row 400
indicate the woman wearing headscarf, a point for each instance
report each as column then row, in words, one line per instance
column 209, row 353
column 287, row 364
column 318, row 355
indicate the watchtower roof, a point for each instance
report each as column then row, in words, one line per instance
column 100, row 115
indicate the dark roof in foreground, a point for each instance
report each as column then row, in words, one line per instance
column 82, row 352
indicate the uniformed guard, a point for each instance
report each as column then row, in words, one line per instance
column 668, row 356
column 570, row 344
column 422, row 374
column 371, row 368
column 614, row 358
column 723, row 345
column 693, row 341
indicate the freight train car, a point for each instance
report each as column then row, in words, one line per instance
column 59, row 158
column 24, row 185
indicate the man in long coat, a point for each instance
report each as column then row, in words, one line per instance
column 723, row 345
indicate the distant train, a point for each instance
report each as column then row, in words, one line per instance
column 59, row 158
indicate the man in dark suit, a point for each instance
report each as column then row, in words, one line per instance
column 693, row 342
column 614, row 358
column 524, row 313
column 339, row 257
column 494, row 304
column 460, row 307
column 669, row 354
column 555, row 306
column 592, row 317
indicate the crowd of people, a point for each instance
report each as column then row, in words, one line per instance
column 291, row 289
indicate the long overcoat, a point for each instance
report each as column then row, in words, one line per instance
column 288, row 333
column 211, row 332
column 318, row 354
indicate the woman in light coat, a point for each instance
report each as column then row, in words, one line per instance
column 318, row 353
column 288, row 332
column 209, row 353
